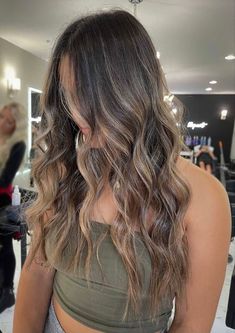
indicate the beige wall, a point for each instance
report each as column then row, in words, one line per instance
column 30, row 69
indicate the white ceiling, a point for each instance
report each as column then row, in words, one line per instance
column 193, row 36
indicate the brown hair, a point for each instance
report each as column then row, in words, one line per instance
column 118, row 87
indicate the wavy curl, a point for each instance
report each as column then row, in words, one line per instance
column 117, row 84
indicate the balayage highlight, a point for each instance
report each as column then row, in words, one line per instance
column 116, row 84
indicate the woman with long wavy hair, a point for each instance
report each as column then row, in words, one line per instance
column 121, row 225
column 13, row 133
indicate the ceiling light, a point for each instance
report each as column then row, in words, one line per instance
column 230, row 57
column 135, row 2
column 213, row 82
column 208, row 89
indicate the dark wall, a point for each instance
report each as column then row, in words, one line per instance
column 207, row 108
column 35, row 98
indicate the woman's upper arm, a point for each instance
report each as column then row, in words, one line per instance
column 208, row 230
column 35, row 288
column 36, row 261
column 37, row 264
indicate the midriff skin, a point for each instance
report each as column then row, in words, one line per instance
column 69, row 324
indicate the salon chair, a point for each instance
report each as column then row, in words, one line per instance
column 230, row 185
column 207, row 159
column 230, row 315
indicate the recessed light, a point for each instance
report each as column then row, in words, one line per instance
column 230, row 57
column 213, row 82
column 208, row 89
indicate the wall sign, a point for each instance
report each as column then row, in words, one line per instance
column 193, row 125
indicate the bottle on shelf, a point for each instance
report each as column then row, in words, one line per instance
column 189, row 140
column 209, row 141
column 16, row 196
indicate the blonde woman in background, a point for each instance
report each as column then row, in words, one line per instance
column 122, row 224
column 13, row 132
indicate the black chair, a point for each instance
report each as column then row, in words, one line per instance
column 207, row 159
column 230, row 315
column 231, row 196
column 230, row 185
column 233, row 218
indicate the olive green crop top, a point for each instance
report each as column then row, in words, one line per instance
column 101, row 305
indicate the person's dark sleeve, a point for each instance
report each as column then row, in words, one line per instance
column 13, row 163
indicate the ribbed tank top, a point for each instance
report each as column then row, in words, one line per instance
column 101, row 304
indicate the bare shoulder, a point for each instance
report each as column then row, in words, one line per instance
column 208, row 196
column 197, row 177
column 208, row 231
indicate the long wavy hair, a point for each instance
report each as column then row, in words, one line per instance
column 19, row 134
column 116, row 84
